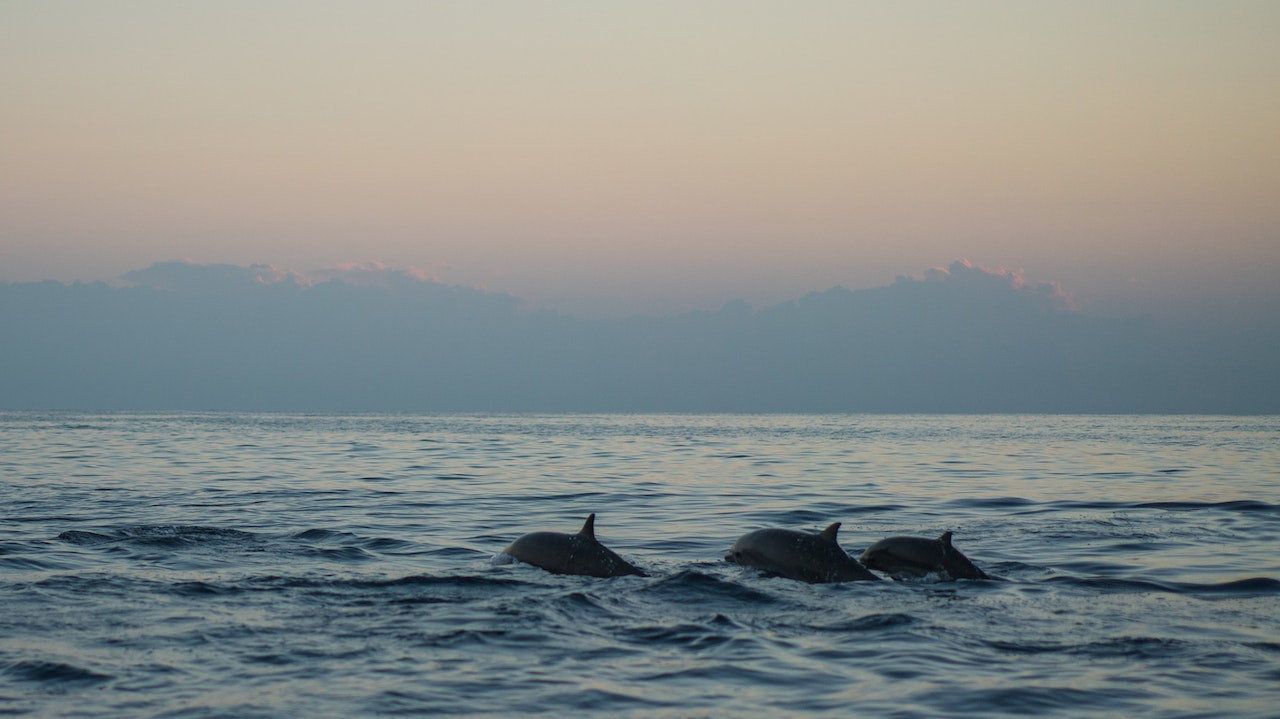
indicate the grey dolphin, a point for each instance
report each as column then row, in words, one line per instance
column 579, row 553
column 806, row 556
column 902, row 557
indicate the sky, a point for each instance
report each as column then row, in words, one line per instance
column 607, row 159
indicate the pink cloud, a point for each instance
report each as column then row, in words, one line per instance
column 373, row 274
column 964, row 273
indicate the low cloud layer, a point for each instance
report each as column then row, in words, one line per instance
column 188, row 276
column 368, row 337
column 962, row 273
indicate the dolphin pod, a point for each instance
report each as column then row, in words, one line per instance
column 804, row 556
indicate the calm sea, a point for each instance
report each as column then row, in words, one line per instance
column 264, row 565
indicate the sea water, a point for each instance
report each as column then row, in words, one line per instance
column 267, row 565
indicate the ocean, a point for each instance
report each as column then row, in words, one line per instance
column 273, row 565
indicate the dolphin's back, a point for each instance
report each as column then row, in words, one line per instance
column 803, row 556
column 918, row 556
column 579, row 553
column 553, row 551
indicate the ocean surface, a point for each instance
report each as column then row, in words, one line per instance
column 268, row 565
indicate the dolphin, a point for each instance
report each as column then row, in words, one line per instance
column 806, row 556
column 579, row 553
column 904, row 557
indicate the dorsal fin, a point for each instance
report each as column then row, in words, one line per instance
column 588, row 527
column 830, row 532
column 945, row 538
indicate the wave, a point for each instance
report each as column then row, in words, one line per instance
column 868, row 623
column 719, row 629
column 51, row 672
column 691, row 585
column 1037, row 700
column 23, row 563
column 1241, row 587
column 380, row 545
column 81, row 537
column 991, row 503
column 1162, row 648
column 400, row 590
column 464, row 581
column 1233, row 506
column 159, row 535
column 1028, row 506
column 1240, row 505
column 327, row 544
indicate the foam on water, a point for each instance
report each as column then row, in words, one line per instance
column 273, row 565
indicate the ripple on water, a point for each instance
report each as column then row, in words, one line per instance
column 692, row 587
column 51, row 672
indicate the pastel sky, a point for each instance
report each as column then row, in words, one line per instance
column 618, row 157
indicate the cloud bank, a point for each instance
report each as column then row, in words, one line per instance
column 368, row 337
column 188, row 276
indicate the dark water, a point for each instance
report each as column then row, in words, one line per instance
column 197, row 565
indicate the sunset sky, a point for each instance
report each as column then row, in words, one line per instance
column 650, row 157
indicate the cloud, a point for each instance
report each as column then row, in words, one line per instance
column 964, row 274
column 373, row 274
column 350, row 338
column 188, row 276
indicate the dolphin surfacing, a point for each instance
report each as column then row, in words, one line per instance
column 579, row 553
column 914, row 557
column 805, row 556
